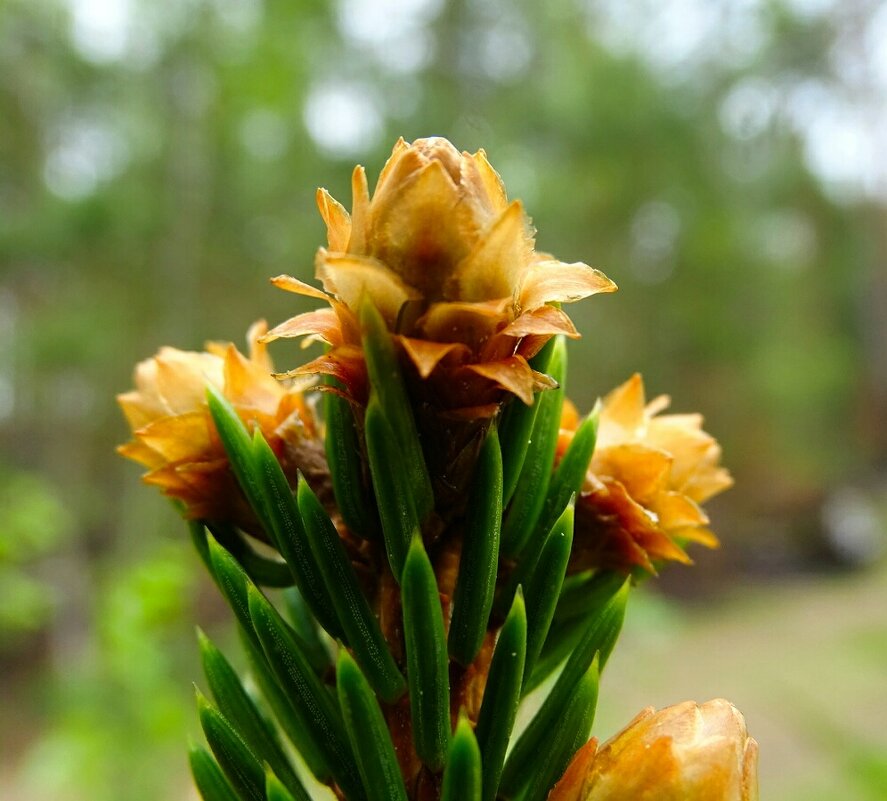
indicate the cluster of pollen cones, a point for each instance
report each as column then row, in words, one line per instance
column 470, row 311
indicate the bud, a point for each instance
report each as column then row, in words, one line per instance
column 685, row 752
column 174, row 436
column 451, row 265
column 648, row 477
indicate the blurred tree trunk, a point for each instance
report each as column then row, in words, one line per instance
column 874, row 320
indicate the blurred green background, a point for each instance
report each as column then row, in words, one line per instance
column 721, row 160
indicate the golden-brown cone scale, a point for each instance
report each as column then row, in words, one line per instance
column 686, row 752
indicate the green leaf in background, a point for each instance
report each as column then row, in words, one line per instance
column 236, row 760
column 388, row 385
column 352, row 609
column 478, row 564
column 368, row 733
column 502, row 695
column 236, row 705
column 208, row 777
column 427, row 664
column 462, row 776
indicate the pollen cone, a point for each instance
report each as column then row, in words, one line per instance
column 451, row 265
column 174, row 436
column 686, row 752
column 649, row 475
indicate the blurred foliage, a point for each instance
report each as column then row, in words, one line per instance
column 33, row 525
column 118, row 712
column 158, row 164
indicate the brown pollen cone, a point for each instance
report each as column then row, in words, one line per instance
column 175, row 439
column 650, row 473
column 450, row 264
column 685, row 752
